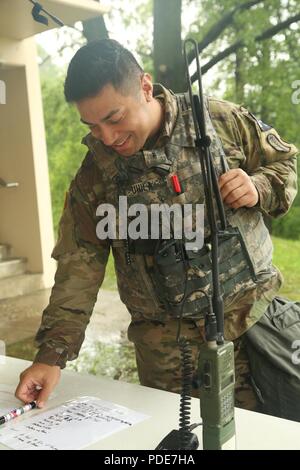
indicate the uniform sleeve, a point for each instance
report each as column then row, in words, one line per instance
column 80, row 272
column 258, row 149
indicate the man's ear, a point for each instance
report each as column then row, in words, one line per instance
column 147, row 86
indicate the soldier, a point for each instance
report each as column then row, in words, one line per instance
column 140, row 136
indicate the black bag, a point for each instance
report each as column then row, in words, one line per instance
column 273, row 346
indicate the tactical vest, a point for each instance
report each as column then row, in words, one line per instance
column 152, row 286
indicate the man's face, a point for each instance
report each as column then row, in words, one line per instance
column 121, row 122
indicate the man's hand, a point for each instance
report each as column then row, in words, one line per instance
column 237, row 189
column 37, row 382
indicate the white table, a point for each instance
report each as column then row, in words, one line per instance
column 254, row 430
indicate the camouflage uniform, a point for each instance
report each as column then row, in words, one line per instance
column 104, row 175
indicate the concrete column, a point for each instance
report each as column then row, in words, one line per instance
column 25, row 211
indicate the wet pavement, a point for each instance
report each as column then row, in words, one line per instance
column 20, row 318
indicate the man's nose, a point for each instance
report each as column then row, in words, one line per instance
column 108, row 136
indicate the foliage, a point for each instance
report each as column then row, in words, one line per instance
column 115, row 360
column 110, row 282
column 63, row 131
column 288, row 226
column 261, row 74
column 135, row 19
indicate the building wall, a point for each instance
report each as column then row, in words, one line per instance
column 25, row 211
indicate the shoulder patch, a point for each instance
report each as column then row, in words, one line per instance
column 278, row 144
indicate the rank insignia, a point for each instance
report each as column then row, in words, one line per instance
column 262, row 125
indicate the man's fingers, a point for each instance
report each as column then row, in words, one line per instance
column 37, row 382
column 234, row 195
column 231, row 186
column 237, row 189
column 26, row 391
column 241, row 202
column 44, row 394
column 26, row 396
column 228, row 176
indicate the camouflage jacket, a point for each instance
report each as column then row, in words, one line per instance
column 82, row 256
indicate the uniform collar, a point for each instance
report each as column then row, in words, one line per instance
column 169, row 103
column 178, row 127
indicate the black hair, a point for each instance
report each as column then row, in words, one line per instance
column 97, row 64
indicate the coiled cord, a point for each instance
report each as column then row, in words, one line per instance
column 186, row 391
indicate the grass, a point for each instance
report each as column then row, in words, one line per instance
column 287, row 259
column 110, row 282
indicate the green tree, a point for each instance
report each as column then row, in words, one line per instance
column 256, row 53
column 167, row 48
column 64, row 152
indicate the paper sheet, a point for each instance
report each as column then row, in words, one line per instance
column 74, row 425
